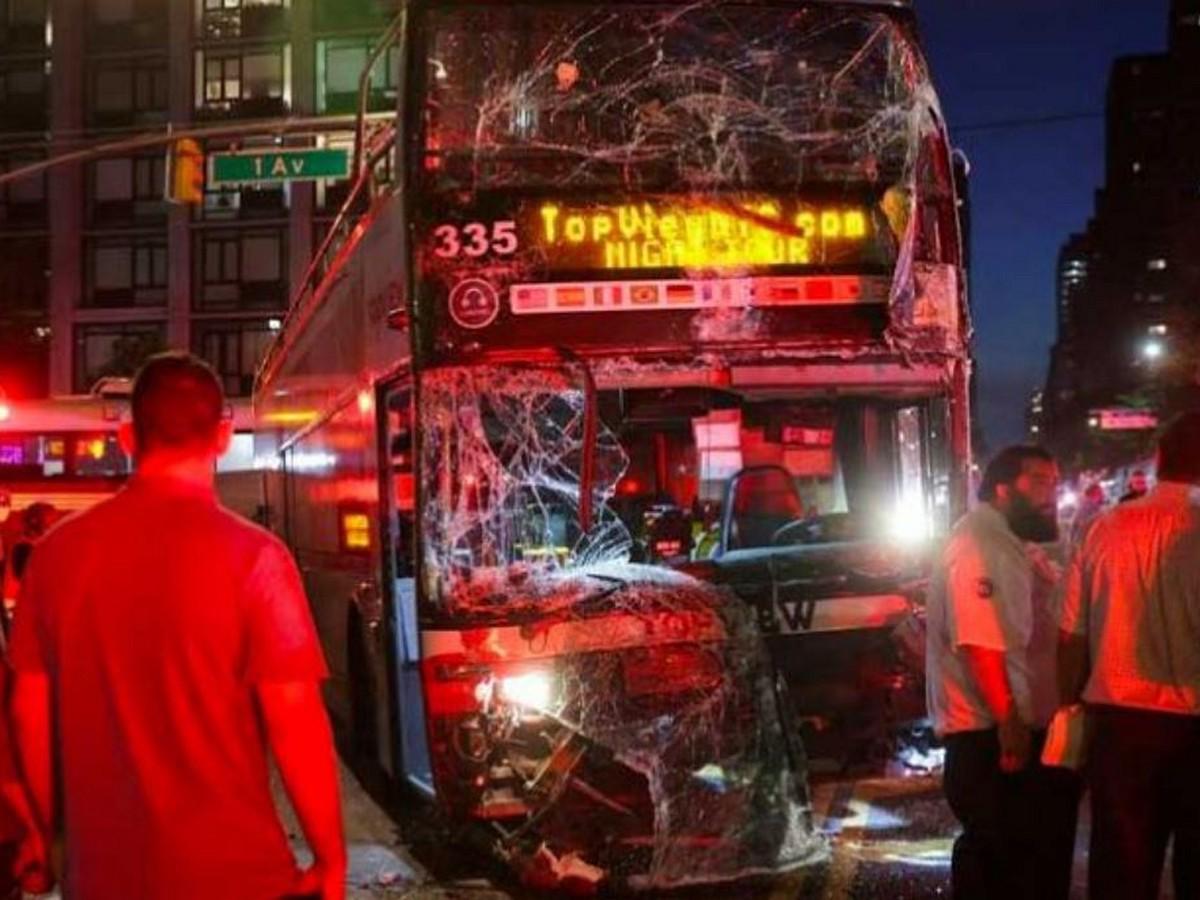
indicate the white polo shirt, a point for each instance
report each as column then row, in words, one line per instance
column 987, row 592
column 1133, row 591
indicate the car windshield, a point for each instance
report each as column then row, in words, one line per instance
column 677, row 476
column 655, row 96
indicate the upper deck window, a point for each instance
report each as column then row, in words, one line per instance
column 654, row 96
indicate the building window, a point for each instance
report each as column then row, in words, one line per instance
column 124, row 188
column 23, row 22
column 222, row 79
column 22, row 202
column 250, row 81
column 24, row 266
column 242, row 270
column 339, row 66
column 112, row 12
column 234, row 350
column 114, row 349
column 23, row 97
column 128, row 92
column 23, row 13
column 127, row 272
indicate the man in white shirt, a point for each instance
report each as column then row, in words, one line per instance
column 991, row 686
column 1131, row 650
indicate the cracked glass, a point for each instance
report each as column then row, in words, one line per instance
column 624, row 720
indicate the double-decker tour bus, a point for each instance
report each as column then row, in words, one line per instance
column 610, row 438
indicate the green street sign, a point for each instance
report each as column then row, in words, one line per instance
column 277, row 166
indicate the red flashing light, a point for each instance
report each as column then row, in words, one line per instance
column 629, row 487
column 668, row 548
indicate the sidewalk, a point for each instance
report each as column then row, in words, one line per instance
column 381, row 867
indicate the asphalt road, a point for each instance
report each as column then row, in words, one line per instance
column 890, row 838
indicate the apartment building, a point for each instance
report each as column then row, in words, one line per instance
column 96, row 270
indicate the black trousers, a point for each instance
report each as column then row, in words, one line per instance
column 1144, row 776
column 1018, row 837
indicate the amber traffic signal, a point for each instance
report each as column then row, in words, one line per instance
column 185, row 173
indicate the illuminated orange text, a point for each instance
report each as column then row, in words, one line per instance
column 678, row 235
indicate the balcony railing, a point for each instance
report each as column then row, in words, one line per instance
column 248, row 108
column 110, row 118
column 22, row 214
column 24, row 112
column 337, row 15
column 139, row 33
column 114, row 213
column 126, row 298
column 380, row 99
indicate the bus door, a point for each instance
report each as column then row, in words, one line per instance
column 333, row 524
column 400, row 508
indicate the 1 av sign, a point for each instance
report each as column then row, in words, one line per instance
column 275, row 166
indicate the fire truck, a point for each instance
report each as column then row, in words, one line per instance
column 61, row 451
column 612, row 432
column 64, row 452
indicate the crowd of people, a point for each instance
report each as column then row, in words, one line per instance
column 1102, row 654
column 161, row 651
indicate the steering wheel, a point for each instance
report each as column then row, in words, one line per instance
column 795, row 525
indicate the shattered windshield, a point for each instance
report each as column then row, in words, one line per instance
column 677, row 476
column 642, row 96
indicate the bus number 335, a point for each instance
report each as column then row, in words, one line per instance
column 475, row 239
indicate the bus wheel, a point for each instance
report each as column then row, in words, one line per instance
column 363, row 737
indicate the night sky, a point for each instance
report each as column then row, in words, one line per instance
column 999, row 60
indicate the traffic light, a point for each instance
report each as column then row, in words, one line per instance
column 185, row 172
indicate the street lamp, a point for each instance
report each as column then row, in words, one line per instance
column 1153, row 350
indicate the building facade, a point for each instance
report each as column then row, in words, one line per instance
column 1128, row 290
column 96, row 269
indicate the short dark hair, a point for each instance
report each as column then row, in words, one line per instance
column 177, row 402
column 1179, row 449
column 1007, row 466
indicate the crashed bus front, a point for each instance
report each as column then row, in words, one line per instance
column 675, row 391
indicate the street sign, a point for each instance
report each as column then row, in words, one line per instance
column 278, row 166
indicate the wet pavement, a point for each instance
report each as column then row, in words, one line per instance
column 890, row 839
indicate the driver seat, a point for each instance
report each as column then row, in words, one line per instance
column 760, row 501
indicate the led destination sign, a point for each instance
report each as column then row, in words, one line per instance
column 689, row 235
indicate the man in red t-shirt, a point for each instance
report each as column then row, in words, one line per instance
column 161, row 648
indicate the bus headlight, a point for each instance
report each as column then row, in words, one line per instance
column 531, row 690
column 910, row 522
